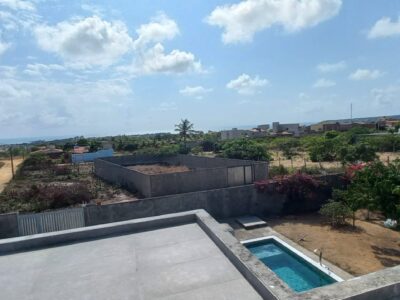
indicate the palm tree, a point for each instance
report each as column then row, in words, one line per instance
column 185, row 129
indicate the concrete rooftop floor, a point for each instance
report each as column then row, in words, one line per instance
column 179, row 262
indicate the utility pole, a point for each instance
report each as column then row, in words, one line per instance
column 12, row 162
column 351, row 113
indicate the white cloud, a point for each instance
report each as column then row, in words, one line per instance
column 160, row 28
column 150, row 54
column 93, row 9
column 303, row 95
column 167, row 106
column 85, row 42
column 324, row 83
column 242, row 20
column 8, row 71
column 42, row 69
column 385, row 27
column 388, row 96
column 15, row 20
column 365, row 74
column 45, row 105
column 4, row 47
column 246, row 85
column 332, row 67
column 18, row 4
column 195, row 91
column 155, row 60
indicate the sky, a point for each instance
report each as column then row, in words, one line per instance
column 97, row 68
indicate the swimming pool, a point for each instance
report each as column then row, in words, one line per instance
column 298, row 271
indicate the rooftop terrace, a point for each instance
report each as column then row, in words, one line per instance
column 178, row 256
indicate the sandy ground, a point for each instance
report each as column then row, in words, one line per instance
column 302, row 159
column 368, row 248
column 159, row 169
column 5, row 172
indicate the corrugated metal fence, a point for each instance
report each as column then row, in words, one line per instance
column 50, row 221
column 86, row 157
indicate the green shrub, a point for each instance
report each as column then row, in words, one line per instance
column 337, row 212
column 277, row 171
column 245, row 149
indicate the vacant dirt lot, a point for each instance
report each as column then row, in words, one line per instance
column 5, row 172
column 368, row 248
column 59, row 183
column 159, row 169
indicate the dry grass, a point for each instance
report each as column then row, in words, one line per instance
column 303, row 159
column 159, row 169
column 368, row 248
column 102, row 192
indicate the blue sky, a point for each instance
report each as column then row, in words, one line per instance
column 120, row 67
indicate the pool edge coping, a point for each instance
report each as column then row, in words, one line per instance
column 324, row 269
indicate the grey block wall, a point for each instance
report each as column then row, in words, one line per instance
column 196, row 180
column 220, row 203
column 9, row 225
column 205, row 173
column 117, row 174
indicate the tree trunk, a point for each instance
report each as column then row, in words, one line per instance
column 354, row 219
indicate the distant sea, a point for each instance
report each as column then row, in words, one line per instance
column 24, row 140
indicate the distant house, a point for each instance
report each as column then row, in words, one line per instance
column 234, row 133
column 347, row 126
column 340, row 126
column 387, row 123
column 80, row 149
column 292, row 129
column 319, row 127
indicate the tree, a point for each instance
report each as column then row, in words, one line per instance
column 68, row 146
column 245, row 149
column 323, row 150
column 331, row 134
column 356, row 153
column 131, row 147
column 82, row 142
column 353, row 201
column 185, row 129
column 289, row 147
column 336, row 211
column 375, row 186
column 94, row 146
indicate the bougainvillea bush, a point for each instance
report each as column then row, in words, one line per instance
column 300, row 190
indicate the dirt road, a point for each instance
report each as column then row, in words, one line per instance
column 5, row 172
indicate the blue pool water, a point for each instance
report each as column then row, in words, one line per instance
column 291, row 268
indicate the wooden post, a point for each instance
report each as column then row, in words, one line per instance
column 12, row 163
